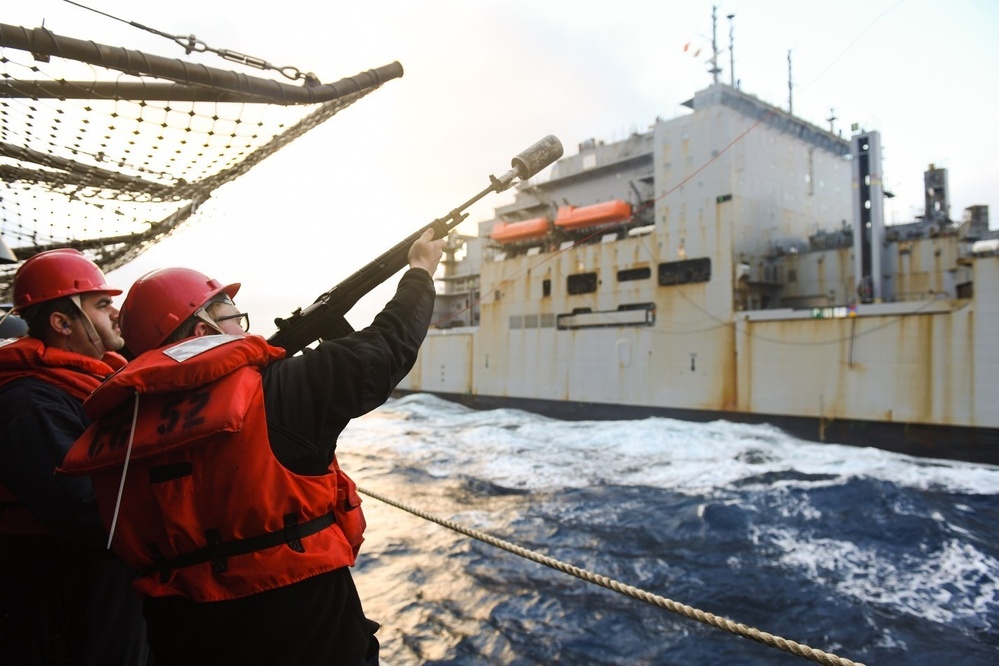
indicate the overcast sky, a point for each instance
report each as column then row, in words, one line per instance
column 484, row 80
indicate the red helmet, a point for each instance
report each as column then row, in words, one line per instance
column 56, row 273
column 160, row 301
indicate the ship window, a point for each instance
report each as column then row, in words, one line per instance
column 635, row 314
column 634, row 274
column 582, row 283
column 516, row 322
column 682, row 272
column 531, row 321
column 546, row 287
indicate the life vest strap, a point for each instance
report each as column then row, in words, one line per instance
column 217, row 551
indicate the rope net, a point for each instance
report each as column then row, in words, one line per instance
column 109, row 151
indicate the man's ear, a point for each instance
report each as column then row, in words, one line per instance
column 60, row 323
column 201, row 328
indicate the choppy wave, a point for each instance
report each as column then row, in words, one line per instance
column 876, row 556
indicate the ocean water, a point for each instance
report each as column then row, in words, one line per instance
column 873, row 556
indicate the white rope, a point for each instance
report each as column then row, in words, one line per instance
column 124, row 470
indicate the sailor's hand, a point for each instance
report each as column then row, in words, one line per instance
column 426, row 252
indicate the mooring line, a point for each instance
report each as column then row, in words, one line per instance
column 711, row 619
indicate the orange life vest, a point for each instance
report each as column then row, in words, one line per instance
column 206, row 510
column 76, row 374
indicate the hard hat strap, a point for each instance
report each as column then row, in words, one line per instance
column 89, row 327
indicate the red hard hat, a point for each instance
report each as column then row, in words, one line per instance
column 56, row 273
column 160, row 301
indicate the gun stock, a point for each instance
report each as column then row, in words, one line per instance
column 325, row 318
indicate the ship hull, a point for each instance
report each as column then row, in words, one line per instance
column 918, row 378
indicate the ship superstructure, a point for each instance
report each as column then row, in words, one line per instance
column 734, row 263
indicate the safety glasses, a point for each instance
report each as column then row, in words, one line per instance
column 242, row 318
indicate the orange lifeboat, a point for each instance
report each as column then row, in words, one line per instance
column 597, row 215
column 525, row 230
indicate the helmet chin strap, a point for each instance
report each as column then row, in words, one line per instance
column 88, row 326
column 202, row 315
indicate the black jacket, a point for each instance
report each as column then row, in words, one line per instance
column 64, row 598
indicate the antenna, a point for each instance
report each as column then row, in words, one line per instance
column 790, row 85
column 731, row 48
column 714, row 45
column 831, row 119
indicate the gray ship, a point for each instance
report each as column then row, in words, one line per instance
column 732, row 263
